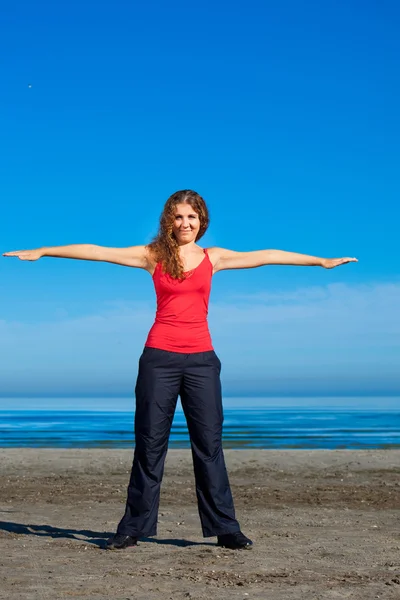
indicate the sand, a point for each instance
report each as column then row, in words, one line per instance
column 325, row 525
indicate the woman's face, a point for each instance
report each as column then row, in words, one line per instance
column 186, row 224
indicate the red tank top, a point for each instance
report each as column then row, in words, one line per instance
column 182, row 309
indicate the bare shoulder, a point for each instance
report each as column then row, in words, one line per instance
column 130, row 256
column 217, row 256
column 223, row 258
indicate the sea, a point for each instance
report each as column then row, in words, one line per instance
column 248, row 423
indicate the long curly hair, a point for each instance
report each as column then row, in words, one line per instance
column 164, row 246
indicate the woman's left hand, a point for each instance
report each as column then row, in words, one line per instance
column 330, row 263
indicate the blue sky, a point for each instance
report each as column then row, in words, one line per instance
column 283, row 116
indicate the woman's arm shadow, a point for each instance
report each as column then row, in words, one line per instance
column 98, row 538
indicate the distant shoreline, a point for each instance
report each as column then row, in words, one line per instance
column 127, row 403
column 263, row 428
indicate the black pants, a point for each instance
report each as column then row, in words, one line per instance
column 195, row 377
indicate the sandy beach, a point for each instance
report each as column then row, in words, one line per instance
column 325, row 525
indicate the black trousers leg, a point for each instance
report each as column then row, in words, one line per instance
column 202, row 403
column 156, row 391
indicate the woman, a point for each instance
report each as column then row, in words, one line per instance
column 179, row 359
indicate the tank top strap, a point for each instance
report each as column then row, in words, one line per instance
column 156, row 268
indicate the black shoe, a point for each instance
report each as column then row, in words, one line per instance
column 234, row 541
column 119, row 541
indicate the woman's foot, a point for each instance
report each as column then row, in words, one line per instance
column 120, row 541
column 234, row 541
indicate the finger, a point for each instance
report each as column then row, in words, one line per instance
column 336, row 262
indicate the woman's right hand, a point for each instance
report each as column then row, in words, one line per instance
column 26, row 254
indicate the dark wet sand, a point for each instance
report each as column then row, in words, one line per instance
column 325, row 525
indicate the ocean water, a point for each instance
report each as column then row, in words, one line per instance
column 269, row 427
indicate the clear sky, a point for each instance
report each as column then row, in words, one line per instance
column 283, row 116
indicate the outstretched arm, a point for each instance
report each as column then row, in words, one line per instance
column 229, row 259
column 133, row 256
